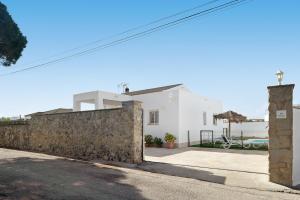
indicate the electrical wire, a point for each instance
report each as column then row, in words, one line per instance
column 135, row 36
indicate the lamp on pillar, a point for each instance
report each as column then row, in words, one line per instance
column 279, row 76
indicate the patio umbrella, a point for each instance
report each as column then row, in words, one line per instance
column 231, row 117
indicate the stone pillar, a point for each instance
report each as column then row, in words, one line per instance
column 281, row 134
column 135, row 122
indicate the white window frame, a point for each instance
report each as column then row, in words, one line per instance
column 156, row 117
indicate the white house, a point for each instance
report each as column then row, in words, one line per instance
column 171, row 108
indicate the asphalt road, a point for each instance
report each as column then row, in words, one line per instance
column 26, row 176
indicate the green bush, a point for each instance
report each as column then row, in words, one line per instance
column 218, row 142
column 169, row 138
column 158, row 141
column 149, row 139
column 5, row 119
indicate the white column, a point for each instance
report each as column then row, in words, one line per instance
column 76, row 106
column 99, row 102
column 296, row 147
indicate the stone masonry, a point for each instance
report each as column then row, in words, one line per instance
column 111, row 134
column 281, row 134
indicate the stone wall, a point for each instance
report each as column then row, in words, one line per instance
column 281, row 134
column 14, row 136
column 113, row 135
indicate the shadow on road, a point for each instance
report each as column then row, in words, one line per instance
column 222, row 169
column 30, row 178
column 176, row 170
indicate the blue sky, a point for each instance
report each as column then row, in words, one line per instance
column 230, row 55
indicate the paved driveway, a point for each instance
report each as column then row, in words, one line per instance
column 231, row 167
column 233, row 160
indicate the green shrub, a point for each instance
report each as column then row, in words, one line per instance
column 218, row 142
column 149, row 139
column 5, row 119
column 169, row 138
column 158, row 141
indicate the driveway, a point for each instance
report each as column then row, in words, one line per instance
column 32, row 176
column 231, row 167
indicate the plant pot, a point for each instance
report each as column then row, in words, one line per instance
column 170, row 145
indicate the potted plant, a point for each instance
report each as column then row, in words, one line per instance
column 148, row 140
column 170, row 140
column 158, row 142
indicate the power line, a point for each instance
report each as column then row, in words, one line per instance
column 136, row 35
column 127, row 31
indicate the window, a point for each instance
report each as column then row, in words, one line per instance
column 215, row 120
column 204, row 118
column 154, row 117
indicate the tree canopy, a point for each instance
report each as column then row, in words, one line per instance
column 12, row 41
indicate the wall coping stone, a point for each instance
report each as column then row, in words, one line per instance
column 86, row 111
column 281, row 86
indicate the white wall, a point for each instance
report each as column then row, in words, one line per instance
column 97, row 97
column 167, row 104
column 296, row 146
column 191, row 108
column 87, row 97
column 250, row 129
